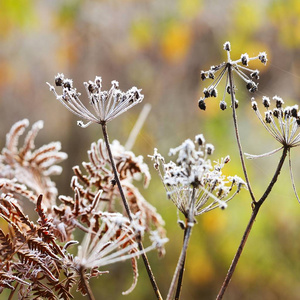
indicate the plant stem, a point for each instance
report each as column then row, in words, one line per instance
column 232, row 94
column 126, row 206
column 117, row 179
column 86, row 284
column 181, row 261
column 180, row 277
column 255, row 211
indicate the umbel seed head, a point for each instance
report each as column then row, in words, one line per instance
column 226, row 70
column 227, row 46
column 202, row 104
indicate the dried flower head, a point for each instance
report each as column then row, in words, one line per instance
column 281, row 122
column 240, row 67
column 193, row 171
column 112, row 238
column 107, row 105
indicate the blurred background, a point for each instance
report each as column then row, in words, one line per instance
column 161, row 47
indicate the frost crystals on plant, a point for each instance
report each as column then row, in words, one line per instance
column 114, row 239
column 240, row 67
column 193, row 170
column 283, row 124
column 107, row 105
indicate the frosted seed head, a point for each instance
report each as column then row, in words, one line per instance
column 92, row 87
column 263, row 57
column 245, row 59
column 209, row 148
column 279, row 101
column 206, row 93
column 115, row 84
column 211, row 75
column 294, row 111
column 255, row 75
column 202, row 104
column 268, row 118
column 68, row 84
column 223, row 105
column 254, row 104
column 59, row 79
column 199, row 139
column 276, row 112
column 236, row 103
column 227, row 46
column 227, row 159
column 266, row 101
column 214, row 93
column 98, row 81
column 203, row 75
column 251, row 86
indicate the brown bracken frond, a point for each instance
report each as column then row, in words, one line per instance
column 99, row 176
column 31, row 166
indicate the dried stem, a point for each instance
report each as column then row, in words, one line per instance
column 181, row 261
column 117, row 179
column 232, row 94
column 86, row 284
column 255, row 211
column 180, row 277
column 126, row 206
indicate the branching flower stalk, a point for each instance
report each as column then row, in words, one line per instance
column 178, row 274
column 240, row 67
column 107, row 106
column 255, row 211
column 195, row 186
column 236, row 131
column 283, row 125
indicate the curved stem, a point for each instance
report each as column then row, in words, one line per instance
column 292, row 177
column 126, row 206
column 255, row 211
column 181, row 261
column 237, row 131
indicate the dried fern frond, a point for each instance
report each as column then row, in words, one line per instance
column 31, row 260
column 99, row 175
column 29, row 165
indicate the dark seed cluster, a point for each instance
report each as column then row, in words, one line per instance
column 240, row 67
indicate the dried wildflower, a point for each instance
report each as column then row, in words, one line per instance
column 106, row 104
column 194, row 173
column 281, row 122
column 111, row 240
column 240, row 67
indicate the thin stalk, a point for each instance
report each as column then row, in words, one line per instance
column 180, row 277
column 117, row 179
column 86, row 284
column 181, row 261
column 11, row 295
column 126, row 206
column 237, row 132
column 255, row 211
